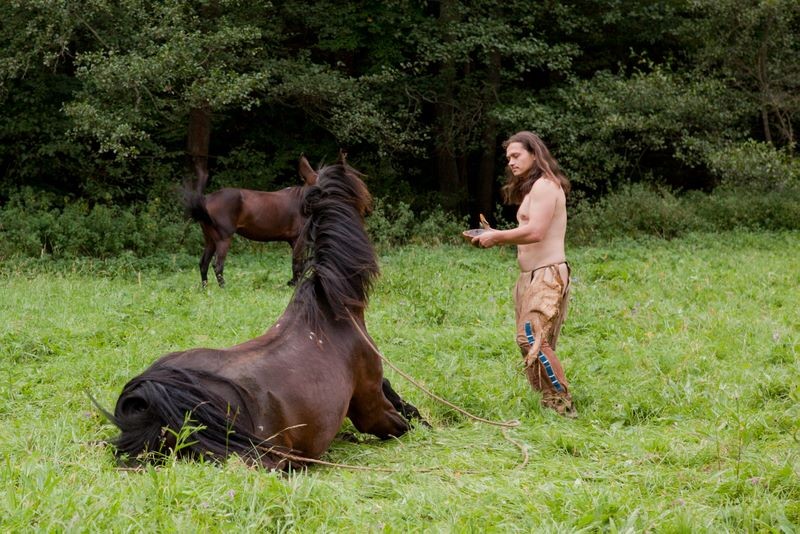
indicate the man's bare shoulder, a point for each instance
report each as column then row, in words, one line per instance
column 545, row 187
column 545, row 184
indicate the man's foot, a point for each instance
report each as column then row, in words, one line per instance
column 562, row 404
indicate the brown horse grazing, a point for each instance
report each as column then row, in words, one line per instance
column 256, row 215
column 289, row 390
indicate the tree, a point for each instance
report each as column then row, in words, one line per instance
column 755, row 46
column 463, row 58
column 37, row 40
column 158, row 65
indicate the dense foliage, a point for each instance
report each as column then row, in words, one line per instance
column 116, row 102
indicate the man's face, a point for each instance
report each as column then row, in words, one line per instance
column 520, row 161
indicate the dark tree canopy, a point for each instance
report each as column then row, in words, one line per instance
column 115, row 101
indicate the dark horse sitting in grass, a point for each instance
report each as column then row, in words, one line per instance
column 256, row 215
column 289, row 390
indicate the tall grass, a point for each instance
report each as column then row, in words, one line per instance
column 682, row 355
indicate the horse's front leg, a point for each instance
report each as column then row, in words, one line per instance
column 371, row 412
column 406, row 409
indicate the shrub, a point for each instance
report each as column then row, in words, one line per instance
column 633, row 211
column 638, row 210
column 33, row 224
column 754, row 165
column 397, row 224
column 438, row 226
column 748, row 208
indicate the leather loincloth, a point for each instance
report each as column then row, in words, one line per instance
column 541, row 298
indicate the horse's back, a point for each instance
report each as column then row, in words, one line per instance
column 270, row 215
column 223, row 207
column 292, row 385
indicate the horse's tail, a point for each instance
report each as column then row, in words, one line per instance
column 194, row 205
column 167, row 410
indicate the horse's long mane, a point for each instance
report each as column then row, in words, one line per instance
column 340, row 264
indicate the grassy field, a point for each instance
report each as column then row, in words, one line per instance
column 682, row 355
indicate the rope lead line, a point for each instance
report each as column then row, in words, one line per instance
column 505, row 424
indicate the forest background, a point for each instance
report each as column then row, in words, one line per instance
column 673, row 118
column 668, row 116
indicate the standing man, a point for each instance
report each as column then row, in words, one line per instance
column 536, row 183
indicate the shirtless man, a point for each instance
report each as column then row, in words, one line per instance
column 537, row 184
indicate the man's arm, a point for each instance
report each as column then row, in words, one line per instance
column 541, row 206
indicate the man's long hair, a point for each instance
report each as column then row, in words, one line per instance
column 544, row 165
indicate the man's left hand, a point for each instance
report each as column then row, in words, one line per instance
column 487, row 239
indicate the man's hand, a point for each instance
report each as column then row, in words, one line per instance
column 487, row 239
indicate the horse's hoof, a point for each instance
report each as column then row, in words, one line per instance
column 348, row 437
column 424, row 423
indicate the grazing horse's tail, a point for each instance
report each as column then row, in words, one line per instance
column 194, row 206
column 166, row 409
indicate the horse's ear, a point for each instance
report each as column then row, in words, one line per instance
column 342, row 157
column 306, row 171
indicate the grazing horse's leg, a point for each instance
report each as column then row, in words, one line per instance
column 297, row 262
column 406, row 409
column 205, row 260
column 222, row 251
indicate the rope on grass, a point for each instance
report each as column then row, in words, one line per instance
column 505, row 424
column 351, row 466
column 522, row 448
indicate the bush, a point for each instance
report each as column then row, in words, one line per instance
column 390, row 224
column 635, row 210
column 34, row 224
column 396, row 224
column 638, row 210
column 748, row 208
column 754, row 165
column 437, row 227
column 25, row 223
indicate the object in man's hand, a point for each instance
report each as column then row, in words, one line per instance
column 469, row 235
column 483, row 222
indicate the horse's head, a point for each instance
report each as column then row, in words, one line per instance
column 340, row 263
column 343, row 183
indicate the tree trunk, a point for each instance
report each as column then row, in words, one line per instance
column 484, row 193
column 764, row 89
column 450, row 185
column 197, row 144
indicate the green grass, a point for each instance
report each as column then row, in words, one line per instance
column 682, row 356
